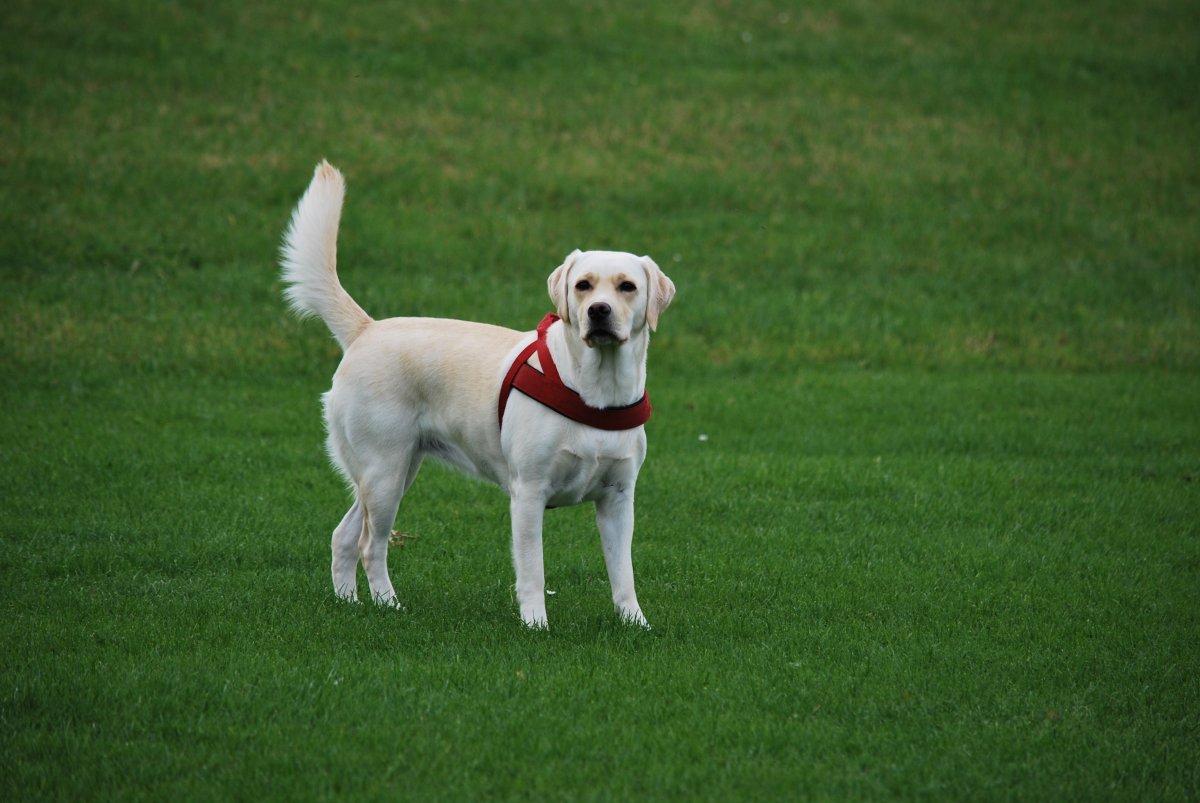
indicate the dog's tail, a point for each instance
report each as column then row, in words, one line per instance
column 309, row 258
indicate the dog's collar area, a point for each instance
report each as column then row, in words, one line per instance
column 547, row 388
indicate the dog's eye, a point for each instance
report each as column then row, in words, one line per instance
column 583, row 286
column 627, row 287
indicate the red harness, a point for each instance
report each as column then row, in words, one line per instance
column 545, row 387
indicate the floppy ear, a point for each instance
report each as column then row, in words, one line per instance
column 661, row 291
column 557, row 284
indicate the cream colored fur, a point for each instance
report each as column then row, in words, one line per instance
column 408, row 388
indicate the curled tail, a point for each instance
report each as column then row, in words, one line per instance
column 309, row 258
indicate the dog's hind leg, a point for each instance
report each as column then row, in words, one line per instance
column 345, row 552
column 380, row 497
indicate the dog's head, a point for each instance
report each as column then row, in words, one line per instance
column 607, row 296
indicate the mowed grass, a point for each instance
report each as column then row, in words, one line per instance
column 919, row 519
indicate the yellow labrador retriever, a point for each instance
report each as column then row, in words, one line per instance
column 468, row 394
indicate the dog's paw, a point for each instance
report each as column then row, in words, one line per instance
column 634, row 617
column 535, row 620
column 389, row 601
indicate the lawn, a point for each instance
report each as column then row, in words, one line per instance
column 921, row 515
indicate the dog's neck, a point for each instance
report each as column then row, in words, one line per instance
column 604, row 376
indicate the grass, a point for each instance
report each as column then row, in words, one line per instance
column 938, row 273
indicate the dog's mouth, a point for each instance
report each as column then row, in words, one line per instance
column 602, row 337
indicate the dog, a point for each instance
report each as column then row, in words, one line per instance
column 411, row 388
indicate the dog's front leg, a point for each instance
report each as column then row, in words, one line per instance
column 614, row 517
column 527, row 509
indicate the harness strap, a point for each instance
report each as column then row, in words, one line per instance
column 546, row 387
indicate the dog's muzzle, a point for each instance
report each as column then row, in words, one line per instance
column 599, row 330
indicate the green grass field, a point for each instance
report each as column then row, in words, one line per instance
column 939, row 287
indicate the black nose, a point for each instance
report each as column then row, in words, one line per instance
column 599, row 311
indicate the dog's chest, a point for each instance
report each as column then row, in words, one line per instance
column 585, row 474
